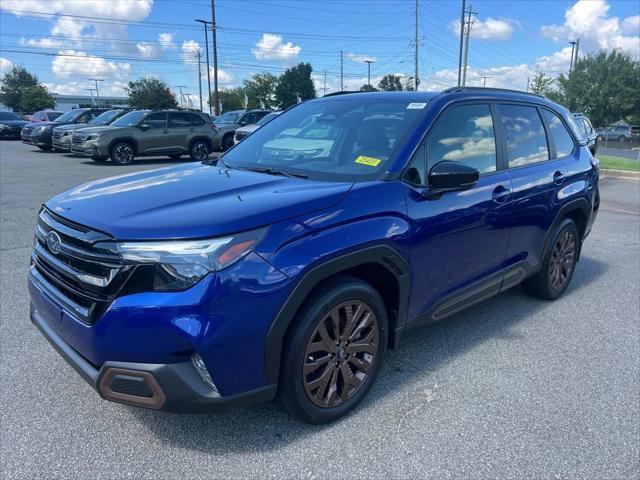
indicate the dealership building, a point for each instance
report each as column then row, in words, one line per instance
column 69, row 102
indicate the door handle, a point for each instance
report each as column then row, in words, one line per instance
column 558, row 177
column 501, row 194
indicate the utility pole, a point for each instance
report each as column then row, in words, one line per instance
column 96, row 80
column 466, row 45
column 206, row 43
column 369, row 62
column 484, row 80
column 528, row 80
column 573, row 49
column 215, row 56
column 324, row 88
column 461, row 42
column 181, row 96
column 198, row 55
column 416, row 39
column 341, row 72
column 93, row 101
column 575, row 60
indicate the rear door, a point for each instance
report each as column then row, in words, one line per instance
column 458, row 241
column 537, row 176
column 180, row 130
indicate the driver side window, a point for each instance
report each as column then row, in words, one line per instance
column 464, row 134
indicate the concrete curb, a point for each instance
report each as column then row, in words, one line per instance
column 619, row 173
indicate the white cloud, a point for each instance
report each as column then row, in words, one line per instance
column 271, row 47
column 72, row 62
column 225, row 78
column 166, row 41
column 556, row 63
column 189, row 48
column 42, row 42
column 589, row 21
column 489, row 29
column 355, row 57
column 5, row 65
column 631, row 24
column 147, row 50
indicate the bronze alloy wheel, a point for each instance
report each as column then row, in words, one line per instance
column 340, row 353
column 563, row 259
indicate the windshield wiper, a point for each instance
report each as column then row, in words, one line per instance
column 271, row 171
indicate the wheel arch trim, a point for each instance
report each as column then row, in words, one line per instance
column 129, row 140
column 383, row 255
column 578, row 204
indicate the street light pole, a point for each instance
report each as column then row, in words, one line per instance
column 369, row 62
column 206, row 43
column 96, row 80
column 215, row 57
column 198, row 55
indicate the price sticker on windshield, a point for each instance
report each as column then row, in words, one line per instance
column 372, row 162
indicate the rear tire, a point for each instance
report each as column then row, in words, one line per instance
column 122, row 153
column 328, row 367
column 227, row 142
column 622, row 139
column 558, row 264
column 46, row 148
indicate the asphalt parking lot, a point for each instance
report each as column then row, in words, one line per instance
column 514, row 388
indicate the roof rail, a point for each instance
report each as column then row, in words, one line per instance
column 341, row 92
column 491, row 89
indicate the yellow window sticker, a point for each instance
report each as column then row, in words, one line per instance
column 372, row 162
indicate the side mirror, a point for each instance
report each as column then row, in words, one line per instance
column 446, row 176
column 144, row 126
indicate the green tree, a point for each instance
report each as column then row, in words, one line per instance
column 542, row 84
column 261, row 86
column 368, row 88
column 149, row 92
column 293, row 83
column 231, row 99
column 605, row 86
column 34, row 98
column 12, row 86
column 390, row 83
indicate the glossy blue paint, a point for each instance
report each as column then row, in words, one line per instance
column 449, row 243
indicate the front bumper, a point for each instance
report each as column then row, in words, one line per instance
column 88, row 149
column 63, row 144
column 39, row 140
column 10, row 133
column 173, row 387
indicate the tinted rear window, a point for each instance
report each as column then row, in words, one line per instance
column 524, row 134
column 562, row 139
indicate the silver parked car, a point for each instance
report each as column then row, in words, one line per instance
column 244, row 132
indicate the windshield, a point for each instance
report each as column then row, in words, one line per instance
column 345, row 140
column 53, row 115
column 8, row 116
column 130, row 119
column 229, row 117
column 267, row 118
column 106, row 117
column 69, row 116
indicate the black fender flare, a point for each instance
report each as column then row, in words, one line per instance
column 383, row 255
column 581, row 204
column 130, row 140
column 204, row 138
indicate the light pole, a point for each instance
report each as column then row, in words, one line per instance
column 180, row 87
column 369, row 62
column 484, row 80
column 206, row 43
column 93, row 101
column 96, row 80
column 198, row 55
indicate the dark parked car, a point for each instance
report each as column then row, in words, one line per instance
column 148, row 132
column 228, row 122
column 40, row 134
column 61, row 137
column 289, row 267
column 45, row 116
column 587, row 132
column 10, row 125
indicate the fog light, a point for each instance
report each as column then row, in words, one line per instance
column 200, row 367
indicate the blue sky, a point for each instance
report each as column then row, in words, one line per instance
column 66, row 42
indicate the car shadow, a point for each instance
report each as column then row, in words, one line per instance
column 422, row 351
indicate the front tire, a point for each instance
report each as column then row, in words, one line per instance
column 122, row 153
column 227, row 142
column 199, row 151
column 334, row 351
column 558, row 264
column 622, row 139
column 46, row 148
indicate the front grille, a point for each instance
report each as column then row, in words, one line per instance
column 85, row 278
column 56, row 135
column 241, row 135
column 27, row 129
column 78, row 139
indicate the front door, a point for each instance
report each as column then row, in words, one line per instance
column 459, row 240
column 154, row 138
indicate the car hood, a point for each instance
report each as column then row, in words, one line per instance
column 96, row 129
column 14, row 123
column 194, row 200
column 72, row 126
column 248, row 128
column 226, row 127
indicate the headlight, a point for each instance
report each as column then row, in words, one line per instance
column 180, row 264
column 93, row 136
column 3, row 126
column 39, row 129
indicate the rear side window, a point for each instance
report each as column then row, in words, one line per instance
column 197, row 120
column 524, row 135
column 179, row 119
column 464, row 134
column 562, row 139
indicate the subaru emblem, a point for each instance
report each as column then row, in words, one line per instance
column 54, row 242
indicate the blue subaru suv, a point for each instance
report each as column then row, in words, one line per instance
column 289, row 266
